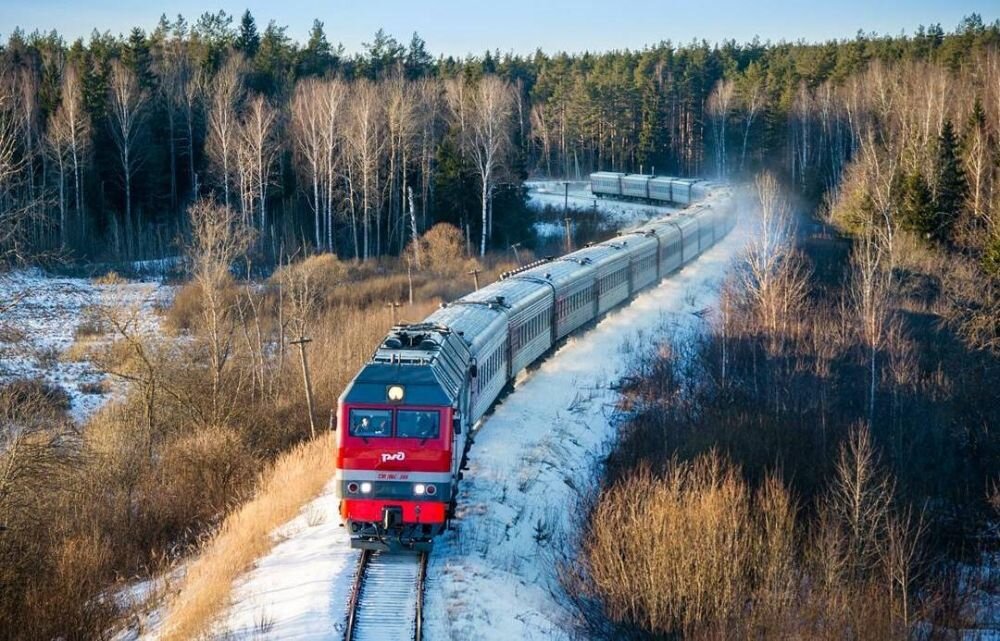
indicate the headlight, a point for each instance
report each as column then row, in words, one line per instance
column 418, row 489
column 352, row 488
column 366, row 488
column 395, row 393
column 431, row 490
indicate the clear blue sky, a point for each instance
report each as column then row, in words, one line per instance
column 464, row 26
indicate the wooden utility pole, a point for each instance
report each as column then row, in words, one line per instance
column 566, row 198
column 569, row 234
column 517, row 256
column 307, row 381
column 475, row 277
column 395, row 312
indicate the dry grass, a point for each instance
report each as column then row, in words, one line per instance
column 110, row 278
column 289, row 483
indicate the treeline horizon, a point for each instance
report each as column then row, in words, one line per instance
column 108, row 141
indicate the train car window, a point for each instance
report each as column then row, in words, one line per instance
column 366, row 423
column 418, row 424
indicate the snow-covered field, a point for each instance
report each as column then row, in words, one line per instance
column 41, row 317
column 494, row 575
column 620, row 215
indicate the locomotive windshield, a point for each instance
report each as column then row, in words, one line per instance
column 417, row 424
column 371, row 423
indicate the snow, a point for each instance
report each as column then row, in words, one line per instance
column 494, row 576
column 617, row 214
column 300, row 589
column 39, row 318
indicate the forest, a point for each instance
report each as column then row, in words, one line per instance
column 106, row 142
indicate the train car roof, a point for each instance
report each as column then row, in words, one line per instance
column 515, row 293
column 604, row 254
column 607, row 174
column 560, row 272
column 476, row 322
column 636, row 239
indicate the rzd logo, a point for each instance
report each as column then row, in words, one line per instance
column 398, row 456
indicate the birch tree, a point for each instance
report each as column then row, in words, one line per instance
column 309, row 136
column 72, row 118
column 484, row 123
column 225, row 94
column 258, row 152
column 751, row 94
column 57, row 147
column 719, row 106
column 126, row 112
column 316, row 114
column 366, row 144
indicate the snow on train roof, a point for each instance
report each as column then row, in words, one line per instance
column 475, row 322
column 635, row 240
column 559, row 272
column 516, row 293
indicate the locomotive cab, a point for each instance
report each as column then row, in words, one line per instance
column 399, row 427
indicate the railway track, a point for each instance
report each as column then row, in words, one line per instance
column 387, row 598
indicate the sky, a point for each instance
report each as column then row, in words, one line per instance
column 458, row 27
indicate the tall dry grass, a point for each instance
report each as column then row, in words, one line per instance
column 284, row 488
column 701, row 547
column 693, row 551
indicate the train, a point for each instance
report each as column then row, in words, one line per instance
column 649, row 188
column 404, row 421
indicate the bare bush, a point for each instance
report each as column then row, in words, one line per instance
column 218, row 238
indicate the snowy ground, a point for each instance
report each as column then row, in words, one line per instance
column 493, row 576
column 41, row 317
column 619, row 215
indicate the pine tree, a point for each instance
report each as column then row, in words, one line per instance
column 917, row 211
column 950, row 182
column 418, row 61
column 316, row 57
column 248, row 40
column 137, row 57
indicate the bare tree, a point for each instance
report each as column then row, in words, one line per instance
column 366, row 144
column 71, row 117
column 57, row 146
column 483, row 117
column 309, row 133
column 18, row 215
column 869, row 292
column 193, row 97
column 316, row 114
column 28, row 93
column 126, row 112
column 752, row 96
column 257, row 153
column 860, row 497
column 401, row 106
column 774, row 278
column 225, row 94
column 719, row 107
column 218, row 238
